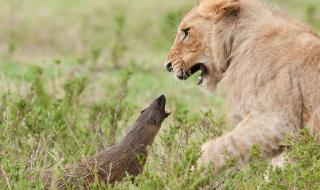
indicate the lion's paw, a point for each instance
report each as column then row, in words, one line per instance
column 206, row 157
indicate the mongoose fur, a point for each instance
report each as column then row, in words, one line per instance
column 111, row 165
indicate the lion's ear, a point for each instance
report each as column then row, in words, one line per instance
column 216, row 9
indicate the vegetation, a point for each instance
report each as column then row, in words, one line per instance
column 75, row 73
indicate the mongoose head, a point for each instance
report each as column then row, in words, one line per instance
column 156, row 113
column 149, row 122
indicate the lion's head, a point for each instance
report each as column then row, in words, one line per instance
column 204, row 42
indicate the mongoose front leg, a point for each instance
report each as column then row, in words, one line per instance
column 267, row 132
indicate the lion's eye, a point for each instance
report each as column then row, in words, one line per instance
column 186, row 33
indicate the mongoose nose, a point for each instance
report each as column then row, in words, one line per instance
column 161, row 101
column 168, row 66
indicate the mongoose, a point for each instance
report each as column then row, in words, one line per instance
column 111, row 165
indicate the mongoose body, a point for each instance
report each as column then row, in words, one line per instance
column 125, row 158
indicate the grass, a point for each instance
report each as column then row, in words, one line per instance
column 75, row 74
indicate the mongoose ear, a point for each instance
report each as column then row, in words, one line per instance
column 143, row 110
column 217, row 9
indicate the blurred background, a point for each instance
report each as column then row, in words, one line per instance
column 100, row 38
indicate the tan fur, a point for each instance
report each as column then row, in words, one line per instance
column 267, row 63
column 315, row 123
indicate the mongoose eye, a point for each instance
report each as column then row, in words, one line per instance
column 154, row 122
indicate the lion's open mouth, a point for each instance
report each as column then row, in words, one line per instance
column 194, row 69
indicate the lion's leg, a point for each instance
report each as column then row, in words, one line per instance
column 279, row 160
column 315, row 123
column 314, row 128
column 266, row 132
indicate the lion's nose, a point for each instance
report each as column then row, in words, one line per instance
column 168, row 66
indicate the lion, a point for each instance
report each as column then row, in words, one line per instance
column 268, row 65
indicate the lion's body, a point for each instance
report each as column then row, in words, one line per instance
column 275, row 68
column 269, row 66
